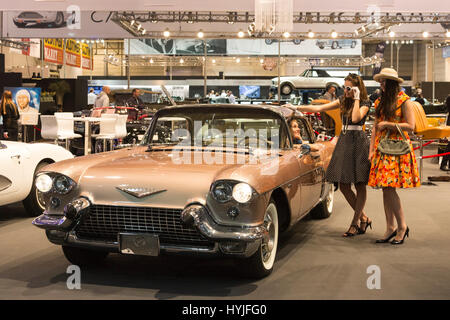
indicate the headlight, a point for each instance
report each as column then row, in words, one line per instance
column 63, row 184
column 222, row 192
column 242, row 192
column 44, row 183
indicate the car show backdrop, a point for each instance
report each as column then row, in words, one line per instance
column 34, row 95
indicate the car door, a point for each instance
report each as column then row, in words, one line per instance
column 311, row 172
column 11, row 173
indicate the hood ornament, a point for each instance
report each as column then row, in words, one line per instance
column 139, row 192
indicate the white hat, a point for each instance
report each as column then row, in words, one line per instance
column 388, row 73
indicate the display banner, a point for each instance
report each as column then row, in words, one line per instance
column 266, row 47
column 53, row 50
column 34, row 49
column 73, row 54
column 86, row 62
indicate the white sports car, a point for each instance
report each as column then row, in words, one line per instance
column 19, row 164
column 309, row 79
column 28, row 18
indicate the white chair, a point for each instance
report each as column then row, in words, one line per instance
column 121, row 126
column 107, row 129
column 64, row 115
column 58, row 129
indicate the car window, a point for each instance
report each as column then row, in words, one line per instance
column 323, row 73
column 304, row 132
column 314, row 74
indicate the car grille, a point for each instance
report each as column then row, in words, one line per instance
column 104, row 223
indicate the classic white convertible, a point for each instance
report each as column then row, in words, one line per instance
column 19, row 164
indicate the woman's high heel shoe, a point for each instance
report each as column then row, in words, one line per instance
column 351, row 234
column 365, row 225
column 404, row 236
column 393, row 234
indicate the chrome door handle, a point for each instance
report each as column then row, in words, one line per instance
column 17, row 156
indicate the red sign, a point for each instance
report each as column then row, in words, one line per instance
column 73, row 56
column 86, row 62
column 53, row 50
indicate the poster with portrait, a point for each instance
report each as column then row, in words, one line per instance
column 26, row 99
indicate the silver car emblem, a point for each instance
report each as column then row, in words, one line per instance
column 139, row 192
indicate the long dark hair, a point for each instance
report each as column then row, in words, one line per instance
column 388, row 100
column 347, row 105
column 7, row 99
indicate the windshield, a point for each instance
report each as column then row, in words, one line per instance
column 219, row 127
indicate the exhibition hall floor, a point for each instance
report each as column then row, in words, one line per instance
column 313, row 261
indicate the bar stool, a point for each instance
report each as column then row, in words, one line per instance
column 107, row 129
column 58, row 129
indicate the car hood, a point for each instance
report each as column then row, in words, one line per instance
column 185, row 180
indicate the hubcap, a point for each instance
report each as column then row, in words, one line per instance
column 269, row 242
column 286, row 90
column 330, row 199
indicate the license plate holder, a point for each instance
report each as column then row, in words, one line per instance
column 139, row 244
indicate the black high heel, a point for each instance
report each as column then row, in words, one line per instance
column 387, row 239
column 351, row 234
column 404, row 236
column 367, row 223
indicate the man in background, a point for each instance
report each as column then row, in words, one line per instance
column 91, row 97
column 330, row 93
column 231, row 97
column 102, row 99
column 135, row 100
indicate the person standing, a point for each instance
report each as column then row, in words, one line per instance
column 10, row 114
column 349, row 163
column 330, row 93
column 91, row 97
column 390, row 172
column 445, row 164
column 231, row 97
column 135, row 101
column 103, row 98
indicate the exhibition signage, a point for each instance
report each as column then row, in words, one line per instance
column 86, row 62
column 34, row 48
column 73, row 56
column 53, row 50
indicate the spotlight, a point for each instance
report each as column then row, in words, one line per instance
column 310, row 34
column 213, row 60
column 132, row 22
column 139, row 27
column 447, row 34
column 298, row 61
column 144, row 31
column 347, row 61
column 166, row 33
column 200, row 34
column 261, row 61
column 392, row 34
column 322, row 61
column 286, row 34
column 356, row 32
column 181, row 60
column 151, row 60
column 387, row 42
column 334, row 34
column 241, row 34
column 238, row 60
column 425, row 34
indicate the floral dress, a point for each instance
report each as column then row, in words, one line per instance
column 393, row 171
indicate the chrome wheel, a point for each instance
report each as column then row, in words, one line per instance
column 286, row 89
column 270, row 241
column 40, row 199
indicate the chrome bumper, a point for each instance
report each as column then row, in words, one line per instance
column 195, row 216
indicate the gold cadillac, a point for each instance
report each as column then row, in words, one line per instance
column 206, row 179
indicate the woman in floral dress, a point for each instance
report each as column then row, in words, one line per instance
column 392, row 172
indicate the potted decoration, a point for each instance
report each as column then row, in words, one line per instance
column 60, row 88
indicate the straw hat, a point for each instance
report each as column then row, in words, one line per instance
column 388, row 73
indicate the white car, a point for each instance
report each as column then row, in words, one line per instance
column 309, row 79
column 19, row 164
column 28, row 18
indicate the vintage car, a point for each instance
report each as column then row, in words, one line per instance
column 336, row 44
column 309, row 79
column 219, row 180
column 50, row 18
column 19, row 164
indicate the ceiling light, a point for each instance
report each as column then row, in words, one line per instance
column 310, row 34
column 241, row 34
column 151, row 60
column 213, row 60
column 144, row 31
column 286, row 34
column 347, row 61
column 238, row 60
column 181, row 60
column 392, row 34
column 132, row 22
column 387, row 42
column 322, row 61
column 334, row 34
column 166, row 33
column 200, row 34
column 298, row 61
column 425, row 34
column 261, row 60
column 139, row 27
column 447, row 34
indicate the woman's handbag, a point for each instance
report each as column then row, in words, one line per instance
column 394, row 147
